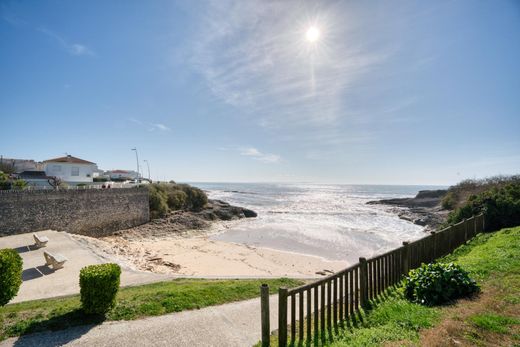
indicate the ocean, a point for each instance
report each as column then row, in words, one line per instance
column 327, row 220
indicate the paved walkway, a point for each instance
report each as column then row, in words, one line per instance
column 234, row 324
column 40, row 281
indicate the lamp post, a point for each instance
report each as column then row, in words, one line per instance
column 137, row 160
column 148, row 165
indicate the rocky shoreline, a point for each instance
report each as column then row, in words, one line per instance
column 424, row 209
column 182, row 222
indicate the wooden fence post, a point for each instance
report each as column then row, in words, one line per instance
column 405, row 265
column 434, row 245
column 282, row 317
column 363, row 285
column 465, row 231
column 266, row 325
column 483, row 222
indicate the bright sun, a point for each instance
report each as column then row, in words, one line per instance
column 312, row 34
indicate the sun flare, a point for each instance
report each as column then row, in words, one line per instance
column 312, row 34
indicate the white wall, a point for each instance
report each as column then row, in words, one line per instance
column 69, row 172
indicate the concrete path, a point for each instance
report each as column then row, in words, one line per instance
column 40, row 281
column 234, row 324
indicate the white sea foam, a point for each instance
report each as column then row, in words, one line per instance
column 331, row 221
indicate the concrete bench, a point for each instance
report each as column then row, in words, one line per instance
column 40, row 241
column 55, row 260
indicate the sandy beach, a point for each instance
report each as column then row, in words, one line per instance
column 197, row 255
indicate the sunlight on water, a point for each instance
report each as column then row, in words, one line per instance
column 332, row 221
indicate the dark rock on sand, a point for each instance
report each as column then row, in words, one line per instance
column 218, row 209
column 424, row 209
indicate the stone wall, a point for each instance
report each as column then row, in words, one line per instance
column 92, row 212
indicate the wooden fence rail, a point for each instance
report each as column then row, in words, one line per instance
column 316, row 310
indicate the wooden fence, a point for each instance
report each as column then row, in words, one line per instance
column 322, row 306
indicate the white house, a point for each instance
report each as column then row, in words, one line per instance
column 70, row 169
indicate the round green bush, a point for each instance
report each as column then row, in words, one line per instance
column 98, row 287
column 438, row 283
column 11, row 267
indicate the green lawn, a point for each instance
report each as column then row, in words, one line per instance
column 493, row 259
column 132, row 303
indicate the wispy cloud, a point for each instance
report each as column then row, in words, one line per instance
column 72, row 48
column 254, row 56
column 254, row 153
column 150, row 126
column 257, row 155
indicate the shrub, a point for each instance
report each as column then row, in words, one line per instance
column 170, row 196
column 438, row 283
column 448, row 201
column 98, row 287
column 158, row 201
column 196, row 197
column 11, row 266
column 500, row 204
column 177, row 199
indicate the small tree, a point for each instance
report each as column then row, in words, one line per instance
column 55, row 182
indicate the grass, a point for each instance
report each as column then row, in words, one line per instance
column 493, row 259
column 132, row 303
column 494, row 322
column 393, row 320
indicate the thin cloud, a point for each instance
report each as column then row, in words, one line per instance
column 161, row 127
column 150, row 126
column 257, row 155
column 72, row 48
column 253, row 55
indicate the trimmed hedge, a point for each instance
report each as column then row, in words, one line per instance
column 11, row 267
column 438, row 283
column 98, row 287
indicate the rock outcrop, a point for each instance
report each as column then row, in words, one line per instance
column 424, row 209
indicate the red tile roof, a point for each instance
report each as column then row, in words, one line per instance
column 68, row 159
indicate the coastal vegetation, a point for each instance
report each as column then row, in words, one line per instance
column 11, row 266
column 497, row 197
column 166, row 197
column 131, row 303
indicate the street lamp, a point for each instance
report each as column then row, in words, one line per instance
column 148, row 165
column 137, row 160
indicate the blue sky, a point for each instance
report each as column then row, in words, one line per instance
column 401, row 92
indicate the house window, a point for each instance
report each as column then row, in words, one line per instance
column 56, row 168
column 74, row 171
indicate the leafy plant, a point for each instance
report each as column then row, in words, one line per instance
column 11, row 266
column 98, row 287
column 7, row 182
column 437, row 283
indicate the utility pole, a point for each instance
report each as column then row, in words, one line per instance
column 137, row 160
column 148, row 165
